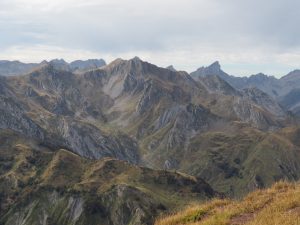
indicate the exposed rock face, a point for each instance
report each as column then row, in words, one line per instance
column 49, row 102
column 265, row 101
column 46, row 207
column 249, row 113
column 118, row 207
column 291, row 102
column 215, row 84
column 90, row 142
column 151, row 95
column 12, row 116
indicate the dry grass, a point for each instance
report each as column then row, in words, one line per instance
column 278, row 205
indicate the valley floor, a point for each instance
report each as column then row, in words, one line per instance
column 278, row 205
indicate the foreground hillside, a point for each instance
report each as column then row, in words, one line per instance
column 41, row 186
column 278, row 205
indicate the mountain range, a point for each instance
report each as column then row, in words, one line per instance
column 14, row 68
column 285, row 90
column 84, row 141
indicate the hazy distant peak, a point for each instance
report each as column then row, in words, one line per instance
column 171, row 67
column 135, row 59
column 260, row 77
column 292, row 75
column 213, row 69
column 58, row 61
column 84, row 65
column 260, row 74
column 215, row 65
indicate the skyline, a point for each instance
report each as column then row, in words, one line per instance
column 247, row 37
column 108, row 62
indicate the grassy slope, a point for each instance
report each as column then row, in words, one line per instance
column 279, row 204
column 239, row 161
column 37, row 184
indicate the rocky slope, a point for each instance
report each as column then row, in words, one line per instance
column 41, row 186
column 135, row 111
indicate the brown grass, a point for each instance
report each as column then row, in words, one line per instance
column 278, row 205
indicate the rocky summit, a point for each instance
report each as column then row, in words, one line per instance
column 124, row 143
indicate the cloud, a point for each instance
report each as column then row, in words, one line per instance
column 186, row 33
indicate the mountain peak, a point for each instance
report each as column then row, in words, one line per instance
column 58, row 61
column 216, row 64
column 292, row 75
column 136, row 59
column 213, row 69
column 171, row 67
column 260, row 77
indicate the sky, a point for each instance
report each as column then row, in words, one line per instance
column 245, row 36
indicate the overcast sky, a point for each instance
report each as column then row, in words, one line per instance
column 246, row 36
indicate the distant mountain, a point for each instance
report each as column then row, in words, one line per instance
column 60, row 64
column 9, row 68
column 13, row 68
column 280, row 89
column 171, row 67
column 213, row 69
column 291, row 101
column 290, row 82
column 266, row 83
column 78, row 65
column 215, row 84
